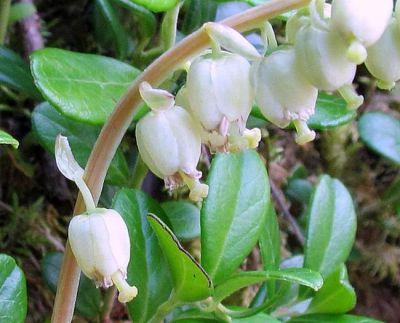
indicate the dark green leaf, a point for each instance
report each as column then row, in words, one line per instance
column 198, row 12
column 234, row 212
column 147, row 270
column 119, row 33
column 88, row 300
column 238, row 281
column 299, row 190
column 184, row 218
column 84, row 87
column 270, row 246
column 13, row 296
column 326, row 318
column 47, row 123
column 191, row 282
column 331, row 227
column 14, row 72
column 337, row 296
column 7, row 139
column 157, row 5
column 381, row 133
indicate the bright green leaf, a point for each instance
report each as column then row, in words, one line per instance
column 147, row 270
column 13, row 296
column 184, row 218
column 238, row 281
column 381, row 133
column 84, row 87
column 191, row 282
column 89, row 297
column 337, row 296
column 233, row 214
column 327, row 318
column 157, row 5
column 47, row 123
column 14, row 72
column 7, row 139
column 331, row 227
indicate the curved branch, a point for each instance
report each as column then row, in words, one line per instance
column 120, row 119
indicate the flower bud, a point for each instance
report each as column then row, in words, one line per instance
column 100, row 243
column 283, row 94
column 220, row 96
column 383, row 60
column 361, row 22
column 169, row 141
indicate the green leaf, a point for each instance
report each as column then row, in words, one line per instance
column 47, row 123
column 84, row 87
column 184, row 218
column 13, row 296
column 198, row 12
column 270, row 246
column 326, row 318
column 148, row 269
column 381, row 133
column 20, row 11
column 88, row 300
column 191, row 282
column 7, row 139
column 337, row 296
column 299, row 189
column 331, row 227
column 157, row 5
column 238, row 281
column 233, row 214
column 14, row 73
column 120, row 35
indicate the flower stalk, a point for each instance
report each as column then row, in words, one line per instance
column 120, row 119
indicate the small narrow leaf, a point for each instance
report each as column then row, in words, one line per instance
column 65, row 160
column 191, row 282
column 238, row 281
column 7, row 139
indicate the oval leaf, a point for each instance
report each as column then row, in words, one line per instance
column 47, row 123
column 84, row 87
column 331, row 227
column 7, row 139
column 191, row 282
column 184, row 218
column 147, row 270
column 13, row 296
column 381, row 133
column 233, row 214
column 238, row 281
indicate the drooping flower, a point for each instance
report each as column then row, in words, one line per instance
column 99, row 237
column 169, row 141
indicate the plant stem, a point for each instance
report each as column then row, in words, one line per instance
column 109, row 299
column 4, row 14
column 164, row 309
column 120, row 119
column 139, row 173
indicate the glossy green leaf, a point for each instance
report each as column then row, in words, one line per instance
column 157, row 5
column 336, row 296
column 13, row 295
column 198, row 12
column 184, row 218
column 84, row 87
column 234, row 212
column 327, row 318
column 191, row 282
column 238, row 281
column 14, row 72
column 112, row 19
column 381, row 133
column 47, row 123
column 148, row 269
column 270, row 246
column 7, row 139
column 331, row 227
column 88, row 300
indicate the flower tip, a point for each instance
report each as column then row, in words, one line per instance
column 384, row 85
column 127, row 294
column 357, row 53
column 303, row 138
column 356, row 103
column 253, row 137
column 198, row 192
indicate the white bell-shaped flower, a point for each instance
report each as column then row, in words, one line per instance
column 99, row 238
column 383, row 60
column 283, row 94
column 361, row 22
column 169, row 141
column 100, row 242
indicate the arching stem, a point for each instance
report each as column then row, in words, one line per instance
column 120, row 119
